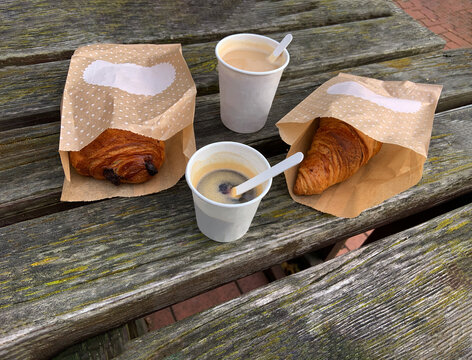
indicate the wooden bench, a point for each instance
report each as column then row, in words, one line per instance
column 407, row 296
column 70, row 271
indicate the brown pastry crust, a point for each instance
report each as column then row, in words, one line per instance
column 120, row 156
column 337, row 152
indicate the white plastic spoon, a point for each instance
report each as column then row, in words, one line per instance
column 282, row 45
column 267, row 174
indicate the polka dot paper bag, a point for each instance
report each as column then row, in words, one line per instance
column 398, row 114
column 146, row 89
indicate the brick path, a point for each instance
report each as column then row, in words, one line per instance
column 209, row 299
column 452, row 20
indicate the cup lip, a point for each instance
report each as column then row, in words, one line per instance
column 216, row 203
column 220, row 59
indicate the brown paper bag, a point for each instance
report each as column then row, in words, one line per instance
column 399, row 114
column 146, row 89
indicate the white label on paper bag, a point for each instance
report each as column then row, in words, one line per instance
column 132, row 78
column 357, row 90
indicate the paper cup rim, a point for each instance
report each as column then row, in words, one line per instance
column 258, row 73
column 216, row 203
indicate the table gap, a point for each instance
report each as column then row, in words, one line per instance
column 418, row 218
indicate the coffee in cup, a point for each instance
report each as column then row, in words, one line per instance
column 215, row 182
column 222, row 218
column 250, row 56
column 247, row 80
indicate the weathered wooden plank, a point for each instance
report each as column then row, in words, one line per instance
column 28, row 92
column 102, row 347
column 405, row 297
column 42, row 30
column 84, row 271
column 32, row 90
column 30, row 158
column 32, row 152
column 23, row 146
column 107, row 345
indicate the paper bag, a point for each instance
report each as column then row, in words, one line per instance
column 399, row 114
column 146, row 89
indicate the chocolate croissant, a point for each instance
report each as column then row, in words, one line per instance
column 120, row 156
column 337, row 152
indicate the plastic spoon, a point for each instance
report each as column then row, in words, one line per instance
column 267, row 174
column 282, row 45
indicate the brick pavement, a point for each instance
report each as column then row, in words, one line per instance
column 450, row 19
column 208, row 299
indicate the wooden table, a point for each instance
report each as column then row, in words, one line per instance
column 69, row 271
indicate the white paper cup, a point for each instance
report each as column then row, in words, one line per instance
column 246, row 96
column 225, row 222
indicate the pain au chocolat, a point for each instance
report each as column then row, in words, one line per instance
column 336, row 153
column 120, row 156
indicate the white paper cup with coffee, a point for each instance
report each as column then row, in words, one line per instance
column 210, row 174
column 247, row 80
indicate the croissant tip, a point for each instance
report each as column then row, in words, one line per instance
column 302, row 186
column 297, row 188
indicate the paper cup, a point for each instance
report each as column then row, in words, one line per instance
column 246, row 96
column 225, row 222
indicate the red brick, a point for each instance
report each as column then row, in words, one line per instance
column 335, row 250
column 438, row 29
column 277, row 272
column 344, row 250
column 252, row 282
column 416, row 14
column 356, row 242
column 428, row 22
column 159, row 319
column 437, row 15
column 205, row 301
column 409, row 5
column 417, row 3
column 454, row 38
column 429, row 14
column 451, row 45
column 404, row 4
column 367, row 233
column 457, row 5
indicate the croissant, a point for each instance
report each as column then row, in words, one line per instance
column 337, row 152
column 120, row 156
